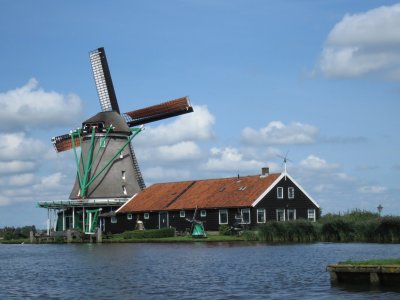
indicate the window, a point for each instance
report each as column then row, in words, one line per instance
column 291, row 193
column 291, row 214
column 311, row 214
column 260, row 215
column 103, row 142
column 129, row 216
column 203, row 213
column 124, row 190
column 123, row 175
column 114, row 220
column 279, row 191
column 121, row 155
column 182, row 214
column 245, row 215
column 146, row 216
column 280, row 215
column 223, row 216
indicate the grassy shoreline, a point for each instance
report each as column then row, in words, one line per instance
column 373, row 262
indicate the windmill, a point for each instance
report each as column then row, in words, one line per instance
column 197, row 228
column 107, row 167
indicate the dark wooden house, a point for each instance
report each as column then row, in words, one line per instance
column 252, row 199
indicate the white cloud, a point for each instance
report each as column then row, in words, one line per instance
column 230, row 159
column 16, row 166
column 17, row 146
column 364, row 43
column 21, row 179
column 4, row 201
column 278, row 133
column 29, row 106
column 50, row 182
column 372, row 189
column 179, row 151
column 315, row 163
column 157, row 174
column 194, row 126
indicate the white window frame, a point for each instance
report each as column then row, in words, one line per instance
column 262, row 210
column 290, row 191
column 280, row 210
column 129, row 216
column 182, row 213
column 203, row 213
column 279, row 192
column 124, row 190
column 311, row 214
column 146, row 216
column 294, row 214
column 225, row 211
column 244, row 210
column 114, row 220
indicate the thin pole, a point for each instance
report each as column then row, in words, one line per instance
column 73, row 217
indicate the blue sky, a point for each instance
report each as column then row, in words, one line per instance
column 316, row 79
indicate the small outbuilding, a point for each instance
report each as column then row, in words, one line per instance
column 249, row 200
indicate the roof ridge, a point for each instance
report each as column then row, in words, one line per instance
column 180, row 194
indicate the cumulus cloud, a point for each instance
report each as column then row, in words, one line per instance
column 315, row 163
column 372, row 189
column 21, row 179
column 196, row 126
column 179, row 151
column 30, row 106
column 16, row 166
column 277, row 132
column 15, row 146
column 49, row 182
column 157, row 174
column 364, row 43
column 230, row 159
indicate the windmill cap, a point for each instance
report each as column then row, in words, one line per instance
column 109, row 118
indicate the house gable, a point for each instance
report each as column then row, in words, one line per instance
column 273, row 187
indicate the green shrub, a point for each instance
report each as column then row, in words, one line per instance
column 289, row 231
column 149, row 234
column 224, row 230
column 250, row 235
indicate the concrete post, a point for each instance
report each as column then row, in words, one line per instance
column 374, row 278
column 99, row 236
column 334, row 277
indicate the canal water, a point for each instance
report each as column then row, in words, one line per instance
column 182, row 271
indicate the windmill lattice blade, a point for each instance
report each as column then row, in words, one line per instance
column 102, row 77
column 161, row 111
column 64, row 142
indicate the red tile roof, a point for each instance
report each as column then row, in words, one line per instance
column 209, row 193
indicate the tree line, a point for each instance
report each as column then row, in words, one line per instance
column 15, row 233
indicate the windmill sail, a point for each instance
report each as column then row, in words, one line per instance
column 159, row 112
column 64, row 142
column 102, row 77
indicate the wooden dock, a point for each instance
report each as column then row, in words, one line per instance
column 375, row 275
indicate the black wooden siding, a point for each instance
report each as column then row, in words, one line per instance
column 301, row 203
